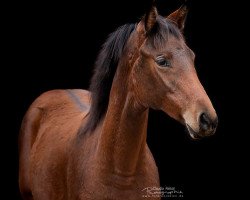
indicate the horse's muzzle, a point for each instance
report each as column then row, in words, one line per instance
column 207, row 127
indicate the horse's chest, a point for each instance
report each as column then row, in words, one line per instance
column 110, row 188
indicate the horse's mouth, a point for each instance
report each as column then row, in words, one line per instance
column 194, row 135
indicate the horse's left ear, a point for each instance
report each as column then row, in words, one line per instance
column 179, row 16
column 150, row 18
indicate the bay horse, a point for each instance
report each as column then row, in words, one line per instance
column 76, row 144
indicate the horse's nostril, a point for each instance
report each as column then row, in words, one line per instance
column 205, row 122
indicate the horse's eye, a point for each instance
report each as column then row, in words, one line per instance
column 162, row 61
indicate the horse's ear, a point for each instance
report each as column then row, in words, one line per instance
column 150, row 18
column 179, row 16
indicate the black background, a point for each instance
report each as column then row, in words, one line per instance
column 54, row 45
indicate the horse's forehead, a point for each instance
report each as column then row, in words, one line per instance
column 171, row 43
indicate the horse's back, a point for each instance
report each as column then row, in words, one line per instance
column 48, row 128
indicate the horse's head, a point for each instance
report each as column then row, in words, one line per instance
column 164, row 76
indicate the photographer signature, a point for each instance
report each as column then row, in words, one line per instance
column 162, row 192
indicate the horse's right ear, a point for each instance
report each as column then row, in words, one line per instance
column 179, row 16
column 150, row 18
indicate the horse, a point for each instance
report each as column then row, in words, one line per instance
column 79, row 144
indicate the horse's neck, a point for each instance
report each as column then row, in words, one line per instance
column 123, row 138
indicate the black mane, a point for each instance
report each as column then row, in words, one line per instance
column 107, row 61
column 105, row 68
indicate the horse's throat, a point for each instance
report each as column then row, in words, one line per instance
column 123, row 138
